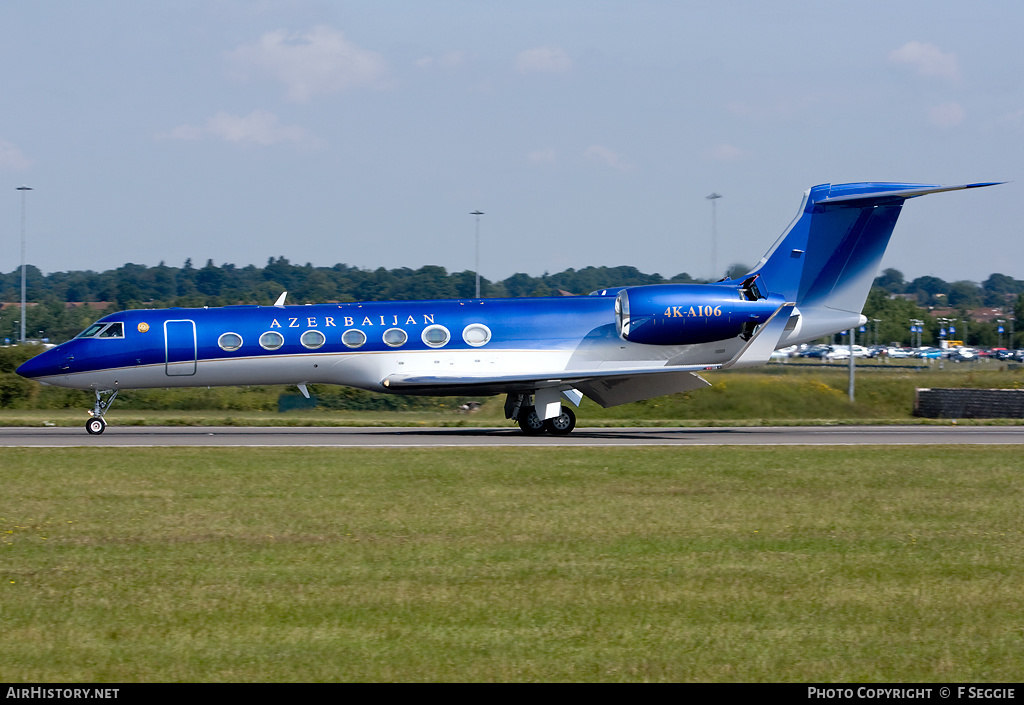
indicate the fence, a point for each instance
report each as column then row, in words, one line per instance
column 969, row 403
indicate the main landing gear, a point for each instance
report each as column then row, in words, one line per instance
column 104, row 398
column 531, row 424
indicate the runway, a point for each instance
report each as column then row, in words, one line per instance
column 323, row 437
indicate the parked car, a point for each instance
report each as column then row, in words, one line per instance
column 899, row 353
column 928, row 353
column 816, row 351
column 842, row 352
column 963, row 355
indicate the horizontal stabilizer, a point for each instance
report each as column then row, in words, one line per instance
column 860, row 199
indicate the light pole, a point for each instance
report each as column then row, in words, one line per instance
column 944, row 324
column 23, row 189
column 916, row 327
column 477, row 213
column 853, row 364
column 714, row 235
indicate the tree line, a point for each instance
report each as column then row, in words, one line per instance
column 138, row 286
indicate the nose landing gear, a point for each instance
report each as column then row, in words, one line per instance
column 104, row 398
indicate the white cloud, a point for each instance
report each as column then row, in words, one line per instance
column 319, row 61
column 946, row 115
column 259, row 127
column 927, row 60
column 543, row 60
column 12, row 158
column 603, row 155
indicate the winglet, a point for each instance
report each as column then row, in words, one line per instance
column 280, row 299
column 759, row 348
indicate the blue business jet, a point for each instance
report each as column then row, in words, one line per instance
column 614, row 346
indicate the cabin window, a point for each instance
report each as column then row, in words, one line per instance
column 353, row 338
column 395, row 337
column 436, row 336
column 230, row 342
column 271, row 340
column 476, row 334
column 312, row 339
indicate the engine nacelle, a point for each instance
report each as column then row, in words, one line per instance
column 681, row 314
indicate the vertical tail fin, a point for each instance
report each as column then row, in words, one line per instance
column 830, row 255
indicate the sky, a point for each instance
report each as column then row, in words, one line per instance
column 589, row 132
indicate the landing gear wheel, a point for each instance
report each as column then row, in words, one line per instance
column 529, row 422
column 563, row 424
column 104, row 398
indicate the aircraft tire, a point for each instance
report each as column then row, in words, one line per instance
column 95, row 426
column 563, row 424
column 530, row 423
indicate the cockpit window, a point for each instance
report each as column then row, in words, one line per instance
column 114, row 330
column 92, row 330
column 103, row 330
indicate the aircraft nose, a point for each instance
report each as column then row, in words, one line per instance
column 45, row 364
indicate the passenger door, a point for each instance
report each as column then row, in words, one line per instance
column 180, row 346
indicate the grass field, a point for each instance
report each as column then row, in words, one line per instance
column 683, row 564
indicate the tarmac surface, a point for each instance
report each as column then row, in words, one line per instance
column 310, row 437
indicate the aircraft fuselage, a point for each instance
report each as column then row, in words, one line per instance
column 354, row 344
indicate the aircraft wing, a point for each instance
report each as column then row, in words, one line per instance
column 608, row 387
column 413, row 382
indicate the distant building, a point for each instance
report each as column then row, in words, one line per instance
column 986, row 315
column 980, row 315
column 94, row 305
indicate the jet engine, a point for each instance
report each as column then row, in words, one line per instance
column 683, row 314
